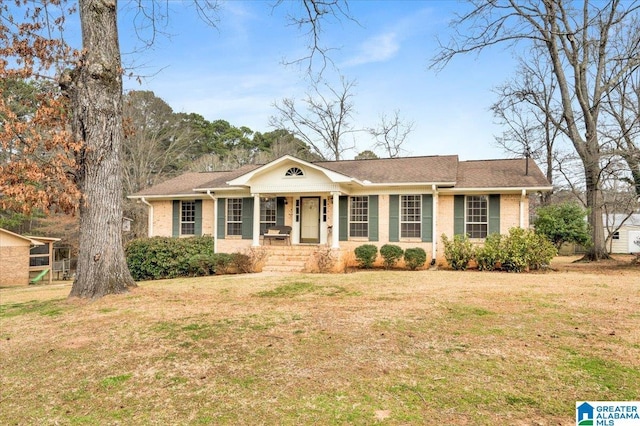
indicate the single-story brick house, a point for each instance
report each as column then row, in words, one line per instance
column 407, row 201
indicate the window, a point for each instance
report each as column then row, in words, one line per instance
column 477, row 222
column 359, row 217
column 294, row 171
column 410, row 216
column 616, row 235
column 267, row 214
column 188, row 218
column 39, row 255
column 234, row 216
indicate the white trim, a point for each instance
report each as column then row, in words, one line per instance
column 495, row 190
column 215, row 221
column 149, row 217
column 333, row 176
column 523, row 197
column 335, row 233
column 256, row 220
column 434, row 224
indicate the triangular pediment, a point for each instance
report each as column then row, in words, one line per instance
column 292, row 174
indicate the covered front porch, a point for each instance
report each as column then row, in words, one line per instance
column 313, row 218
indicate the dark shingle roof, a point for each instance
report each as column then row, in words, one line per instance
column 500, row 174
column 397, row 170
column 428, row 169
column 187, row 182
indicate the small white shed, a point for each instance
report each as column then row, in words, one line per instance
column 623, row 235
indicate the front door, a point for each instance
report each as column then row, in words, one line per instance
column 310, row 220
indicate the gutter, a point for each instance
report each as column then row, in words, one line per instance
column 215, row 221
column 150, row 217
column 434, row 244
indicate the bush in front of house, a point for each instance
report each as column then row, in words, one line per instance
column 164, row 257
column 391, row 254
column 366, row 255
column 414, row 258
column 524, row 249
column 491, row 254
column 458, row 252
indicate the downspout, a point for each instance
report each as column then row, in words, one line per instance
column 149, row 218
column 523, row 197
column 434, row 244
column 215, row 221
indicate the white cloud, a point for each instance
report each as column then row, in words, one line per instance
column 379, row 48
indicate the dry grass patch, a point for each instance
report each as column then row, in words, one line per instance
column 369, row 347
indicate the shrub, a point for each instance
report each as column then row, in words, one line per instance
column 242, row 262
column 563, row 223
column 366, row 255
column 415, row 258
column 524, row 249
column 490, row 254
column 458, row 252
column 325, row 258
column 391, row 255
column 163, row 257
column 541, row 251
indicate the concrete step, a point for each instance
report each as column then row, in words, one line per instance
column 288, row 258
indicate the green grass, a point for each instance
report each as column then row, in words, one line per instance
column 376, row 347
column 48, row 308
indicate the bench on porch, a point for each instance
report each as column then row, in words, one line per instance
column 278, row 232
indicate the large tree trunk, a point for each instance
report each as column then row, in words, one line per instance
column 598, row 249
column 95, row 91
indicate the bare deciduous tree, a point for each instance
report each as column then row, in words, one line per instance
column 587, row 55
column 92, row 84
column 528, row 108
column 323, row 120
column 391, row 134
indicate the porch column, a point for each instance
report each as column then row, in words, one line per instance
column 256, row 220
column 335, row 235
column 434, row 244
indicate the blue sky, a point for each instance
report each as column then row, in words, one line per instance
column 235, row 72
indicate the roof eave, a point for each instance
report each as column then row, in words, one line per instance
column 497, row 189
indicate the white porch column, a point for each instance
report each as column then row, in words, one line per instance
column 523, row 197
column 335, row 235
column 256, row 220
column 434, row 231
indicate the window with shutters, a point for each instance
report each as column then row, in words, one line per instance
column 188, row 218
column 410, row 216
column 267, row 214
column 234, row 216
column 359, row 217
column 477, row 217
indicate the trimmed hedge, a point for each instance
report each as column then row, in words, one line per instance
column 366, row 255
column 391, row 255
column 415, row 258
column 162, row 257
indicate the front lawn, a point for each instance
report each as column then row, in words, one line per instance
column 387, row 347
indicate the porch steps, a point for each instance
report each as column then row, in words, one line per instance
column 288, row 258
